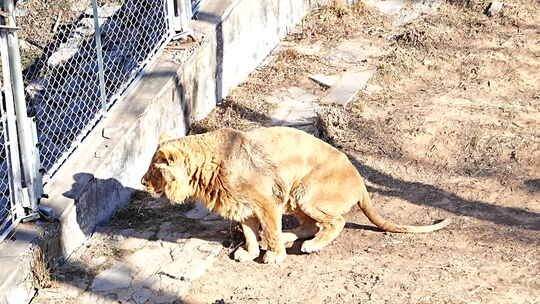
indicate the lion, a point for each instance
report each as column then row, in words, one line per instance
column 257, row 176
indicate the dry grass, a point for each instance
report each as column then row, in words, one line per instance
column 41, row 273
column 454, row 41
column 337, row 22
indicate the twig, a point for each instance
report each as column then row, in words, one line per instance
column 34, row 43
column 57, row 22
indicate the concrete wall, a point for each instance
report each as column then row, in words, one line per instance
column 241, row 33
column 102, row 174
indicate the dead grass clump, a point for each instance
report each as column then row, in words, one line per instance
column 394, row 64
column 339, row 21
column 233, row 114
column 348, row 130
column 41, row 273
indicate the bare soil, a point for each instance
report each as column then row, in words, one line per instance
column 454, row 132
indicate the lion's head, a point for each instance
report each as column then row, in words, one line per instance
column 167, row 174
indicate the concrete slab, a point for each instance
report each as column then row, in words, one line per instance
column 347, row 87
column 324, row 80
column 116, row 277
column 294, row 107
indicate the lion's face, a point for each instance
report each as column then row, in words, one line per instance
column 154, row 180
column 167, row 176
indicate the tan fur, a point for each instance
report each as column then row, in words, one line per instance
column 255, row 177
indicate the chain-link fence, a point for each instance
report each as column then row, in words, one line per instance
column 6, row 209
column 63, row 86
column 78, row 57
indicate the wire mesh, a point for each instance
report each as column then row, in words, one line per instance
column 62, row 85
column 6, row 210
column 7, row 214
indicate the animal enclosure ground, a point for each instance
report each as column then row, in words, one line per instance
column 449, row 127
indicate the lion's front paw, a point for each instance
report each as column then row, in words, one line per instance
column 242, row 255
column 312, row 246
column 271, row 257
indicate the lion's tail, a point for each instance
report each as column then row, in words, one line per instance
column 367, row 207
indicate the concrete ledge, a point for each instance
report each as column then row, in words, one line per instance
column 23, row 261
column 102, row 174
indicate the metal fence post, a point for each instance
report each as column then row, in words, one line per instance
column 9, row 132
column 99, row 52
column 32, row 176
column 179, row 13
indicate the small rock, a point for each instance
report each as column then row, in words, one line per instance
column 494, row 8
column 164, row 299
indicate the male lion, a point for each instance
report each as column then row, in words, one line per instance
column 255, row 177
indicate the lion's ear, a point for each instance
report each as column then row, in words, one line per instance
column 164, row 137
column 165, row 156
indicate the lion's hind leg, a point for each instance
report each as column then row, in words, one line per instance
column 306, row 229
column 329, row 227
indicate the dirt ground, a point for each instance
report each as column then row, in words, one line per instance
column 451, row 130
column 449, row 127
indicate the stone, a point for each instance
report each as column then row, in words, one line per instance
column 494, row 8
column 294, row 107
column 347, row 87
column 324, row 80
column 292, row 113
column 117, row 277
